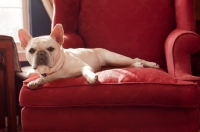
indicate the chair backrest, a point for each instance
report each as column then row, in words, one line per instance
column 135, row 28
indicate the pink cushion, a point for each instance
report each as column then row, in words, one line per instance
column 141, row 86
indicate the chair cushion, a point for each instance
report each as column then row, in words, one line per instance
column 116, row 87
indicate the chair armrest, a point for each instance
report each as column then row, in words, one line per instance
column 179, row 45
column 73, row 40
column 66, row 12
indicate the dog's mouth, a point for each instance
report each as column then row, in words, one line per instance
column 40, row 62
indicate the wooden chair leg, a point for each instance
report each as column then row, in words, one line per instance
column 2, row 98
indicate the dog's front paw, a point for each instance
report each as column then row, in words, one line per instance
column 34, row 84
column 92, row 78
column 138, row 64
column 153, row 65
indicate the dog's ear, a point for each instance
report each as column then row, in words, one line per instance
column 24, row 37
column 57, row 33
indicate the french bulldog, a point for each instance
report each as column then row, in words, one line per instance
column 51, row 61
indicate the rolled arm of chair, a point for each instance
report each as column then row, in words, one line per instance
column 73, row 40
column 179, row 45
column 66, row 12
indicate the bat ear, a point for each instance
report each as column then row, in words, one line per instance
column 24, row 38
column 57, row 33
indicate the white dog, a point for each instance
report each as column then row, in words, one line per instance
column 48, row 58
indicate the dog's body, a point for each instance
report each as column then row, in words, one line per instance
column 51, row 61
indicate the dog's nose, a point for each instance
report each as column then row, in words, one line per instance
column 41, row 52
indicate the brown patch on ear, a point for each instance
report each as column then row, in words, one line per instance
column 57, row 33
column 24, row 38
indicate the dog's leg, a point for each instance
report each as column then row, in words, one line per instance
column 34, row 84
column 108, row 58
column 89, row 75
column 145, row 63
column 43, row 79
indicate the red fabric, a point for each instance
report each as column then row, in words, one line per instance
column 69, row 19
column 72, row 40
column 184, row 18
column 112, row 27
column 178, row 47
column 116, row 76
column 110, row 119
column 125, row 99
column 147, row 87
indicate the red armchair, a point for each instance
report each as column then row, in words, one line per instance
column 125, row 99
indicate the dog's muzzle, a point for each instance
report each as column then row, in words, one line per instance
column 41, row 59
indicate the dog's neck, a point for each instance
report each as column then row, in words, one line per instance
column 47, row 74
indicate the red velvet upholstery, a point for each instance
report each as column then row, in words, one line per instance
column 125, row 99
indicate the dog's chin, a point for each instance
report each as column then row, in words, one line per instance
column 43, row 69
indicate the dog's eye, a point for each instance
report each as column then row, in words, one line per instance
column 31, row 51
column 50, row 49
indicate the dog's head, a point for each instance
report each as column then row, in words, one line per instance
column 45, row 51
